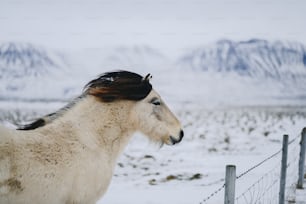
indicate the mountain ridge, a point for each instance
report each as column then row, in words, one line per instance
column 253, row 58
column 270, row 69
column 18, row 60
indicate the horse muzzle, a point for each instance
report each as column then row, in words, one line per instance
column 174, row 140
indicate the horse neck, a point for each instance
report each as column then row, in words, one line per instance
column 98, row 125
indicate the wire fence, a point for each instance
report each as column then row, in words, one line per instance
column 264, row 190
column 265, row 187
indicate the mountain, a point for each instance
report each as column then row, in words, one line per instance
column 255, row 58
column 26, row 70
column 18, row 60
column 244, row 72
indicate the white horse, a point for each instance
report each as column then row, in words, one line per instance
column 68, row 157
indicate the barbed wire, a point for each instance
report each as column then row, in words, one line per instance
column 295, row 138
column 216, row 191
column 259, row 164
column 212, row 194
column 259, row 181
column 262, row 188
column 249, row 195
column 265, row 160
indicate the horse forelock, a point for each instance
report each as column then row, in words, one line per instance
column 119, row 85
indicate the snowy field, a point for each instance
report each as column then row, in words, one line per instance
column 188, row 172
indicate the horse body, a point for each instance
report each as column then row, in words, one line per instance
column 71, row 160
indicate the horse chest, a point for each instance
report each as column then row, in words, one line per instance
column 92, row 178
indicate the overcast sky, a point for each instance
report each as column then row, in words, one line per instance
column 170, row 25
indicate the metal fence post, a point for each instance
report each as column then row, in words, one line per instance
column 230, row 179
column 302, row 160
column 283, row 170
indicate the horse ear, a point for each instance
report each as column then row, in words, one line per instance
column 147, row 77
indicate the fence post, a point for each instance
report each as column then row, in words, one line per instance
column 230, row 179
column 283, row 170
column 302, row 160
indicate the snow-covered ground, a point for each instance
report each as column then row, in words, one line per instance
column 195, row 168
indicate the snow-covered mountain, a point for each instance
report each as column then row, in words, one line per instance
column 254, row 58
column 26, row 70
column 19, row 60
column 246, row 72
column 256, row 70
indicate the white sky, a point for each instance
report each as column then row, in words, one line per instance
column 170, row 25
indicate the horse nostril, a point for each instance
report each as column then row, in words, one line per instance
column 181, row 134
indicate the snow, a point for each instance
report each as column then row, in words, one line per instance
column 301, row 194
column 192, row 170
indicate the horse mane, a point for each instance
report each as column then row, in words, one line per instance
column 49, row 117
column 120, row 85
column 108, row 87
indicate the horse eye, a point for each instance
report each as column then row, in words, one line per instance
column 156, row 102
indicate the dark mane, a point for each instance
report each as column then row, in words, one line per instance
column 50, row 117
column 120, row 85
column 36, row 124
column 108, row 87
